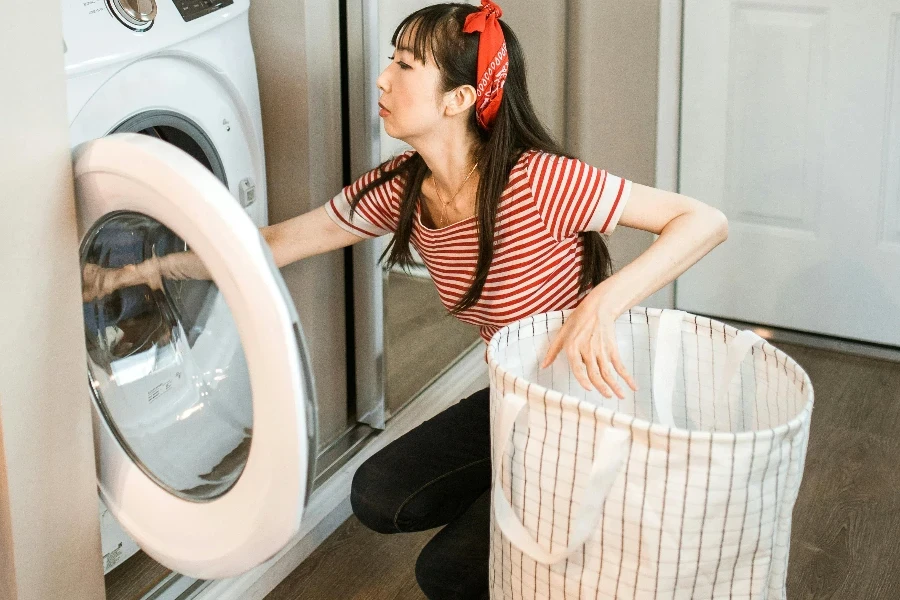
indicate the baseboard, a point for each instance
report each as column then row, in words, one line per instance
column 329, row 506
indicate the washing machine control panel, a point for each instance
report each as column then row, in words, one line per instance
column 99, row 33
column 193, row 9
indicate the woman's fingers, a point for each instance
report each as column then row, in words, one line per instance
column 595, row 361
column 599, row 382
column 600, row 366
column 578, row 367
column 616, row 360
column 555, row 346
column 98, row 282
column 608, row 375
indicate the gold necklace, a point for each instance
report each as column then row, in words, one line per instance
column 452, row 198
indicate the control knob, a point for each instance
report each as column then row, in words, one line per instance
column 137, row 15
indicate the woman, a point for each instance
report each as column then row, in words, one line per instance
column 508, row 226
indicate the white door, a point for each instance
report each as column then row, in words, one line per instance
column 791, row 126
column 203, row 399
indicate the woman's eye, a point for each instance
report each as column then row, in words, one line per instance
column 402, row 64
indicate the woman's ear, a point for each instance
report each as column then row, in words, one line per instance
column 459, row 100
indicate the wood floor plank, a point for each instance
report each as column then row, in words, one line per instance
column 355, row 563
column 859, row 393
column 847, row 518
column 134, row 578
column 844, row 543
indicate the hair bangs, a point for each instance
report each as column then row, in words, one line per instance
column 424, row 33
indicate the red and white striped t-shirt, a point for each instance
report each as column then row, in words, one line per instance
column 548, row 200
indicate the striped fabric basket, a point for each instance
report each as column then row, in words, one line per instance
column 684, row 489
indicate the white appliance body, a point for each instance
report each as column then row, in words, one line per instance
column 189, row 79
column 203, row 70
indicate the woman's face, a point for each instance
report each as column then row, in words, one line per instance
column 411, row 99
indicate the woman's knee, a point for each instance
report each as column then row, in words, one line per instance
column 385, row 503
column 370, row 498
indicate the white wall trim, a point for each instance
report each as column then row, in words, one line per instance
column 668, row 112
column 329, row 506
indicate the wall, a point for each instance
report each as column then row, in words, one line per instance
column 297, row 48
column 612, row 103
column 543, row 34
column 592, row 74
column 48, row 498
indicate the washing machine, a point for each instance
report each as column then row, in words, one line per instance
column 202, row 393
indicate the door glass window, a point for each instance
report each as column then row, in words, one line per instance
column 164, row 357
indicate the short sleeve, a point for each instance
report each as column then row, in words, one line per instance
column 572, row 196
column 378, row 212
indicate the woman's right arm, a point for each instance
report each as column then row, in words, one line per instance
column 299, row 237
column 306, row 235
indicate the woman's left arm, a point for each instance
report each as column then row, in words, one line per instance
column 688, row 230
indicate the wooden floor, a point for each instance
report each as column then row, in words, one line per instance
column 134, row 578
column 846, row 536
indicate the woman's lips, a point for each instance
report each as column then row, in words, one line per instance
column 383, row 112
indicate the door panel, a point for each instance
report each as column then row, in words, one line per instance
column 790, row 126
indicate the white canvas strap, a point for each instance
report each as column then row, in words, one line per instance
column 610, row 454
column 737, row 351
column 665, row 363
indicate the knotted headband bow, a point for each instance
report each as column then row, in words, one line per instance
column 493, row 61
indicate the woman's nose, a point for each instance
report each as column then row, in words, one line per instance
column 382, row 81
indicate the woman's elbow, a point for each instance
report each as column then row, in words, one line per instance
column 718, row 224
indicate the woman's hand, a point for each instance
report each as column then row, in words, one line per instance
column 589, row 339
column 98, row 282
column 687, row 230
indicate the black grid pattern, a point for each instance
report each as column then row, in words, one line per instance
column 701, row 510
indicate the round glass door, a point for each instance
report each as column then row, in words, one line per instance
column 165, row 358
column 203, row 398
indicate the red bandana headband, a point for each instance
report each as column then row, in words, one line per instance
column 493, row 61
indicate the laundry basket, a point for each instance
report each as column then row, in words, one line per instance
column 684, row 489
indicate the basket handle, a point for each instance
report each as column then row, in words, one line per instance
column 665, row 363
column 737, row 351
column 610, row 454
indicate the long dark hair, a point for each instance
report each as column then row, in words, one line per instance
column 437, row 30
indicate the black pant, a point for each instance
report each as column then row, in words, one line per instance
column 437, row 474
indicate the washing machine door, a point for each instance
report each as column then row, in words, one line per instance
column 202, row 392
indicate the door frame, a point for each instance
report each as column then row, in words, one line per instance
column 668, row 108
